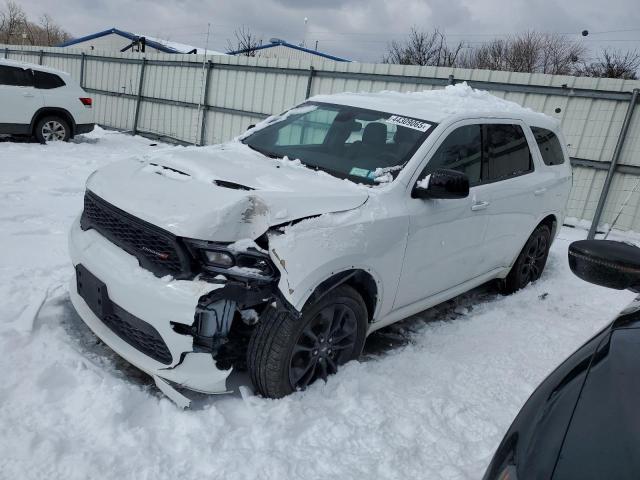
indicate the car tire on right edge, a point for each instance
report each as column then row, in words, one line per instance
column 287, row 353
column 530, row 263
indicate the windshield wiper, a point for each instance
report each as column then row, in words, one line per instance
column 263, row 152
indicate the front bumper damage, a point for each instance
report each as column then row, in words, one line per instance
column 190, row 317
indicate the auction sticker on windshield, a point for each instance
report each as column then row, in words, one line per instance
column 409, row 123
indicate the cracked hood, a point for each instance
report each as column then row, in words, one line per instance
column 222, row 193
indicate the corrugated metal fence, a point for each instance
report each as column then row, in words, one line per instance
column 201, row 100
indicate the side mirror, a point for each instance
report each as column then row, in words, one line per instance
column 442, row 183
column 606, row 263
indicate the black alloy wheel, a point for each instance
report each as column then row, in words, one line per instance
column 534, row 259
column 531, row 261
column 326, row 342
column 289, row 352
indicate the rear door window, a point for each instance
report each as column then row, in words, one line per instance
column 507, row 152
column 549, row 146
column 46, row 80
column 15, row 76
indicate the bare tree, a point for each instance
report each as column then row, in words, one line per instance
column 15, row 28
column 613, row 64
column 245, row 41
column 52, row 33
column 524, row 52
column 530, row 52
column 559, row 56
column 489, row 56
column 12, row 21
column 423, row 48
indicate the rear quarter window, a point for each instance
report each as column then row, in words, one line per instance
column 549, row 146
column 46, row 80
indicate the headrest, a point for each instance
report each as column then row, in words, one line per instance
column 375, row 134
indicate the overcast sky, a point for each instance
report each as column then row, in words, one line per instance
column 356, row 29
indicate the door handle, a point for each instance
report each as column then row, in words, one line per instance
column 540, row 191
column 479, row 206
column 27, row 94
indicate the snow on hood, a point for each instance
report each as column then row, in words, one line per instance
column 222, row 193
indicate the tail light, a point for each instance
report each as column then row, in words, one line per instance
column 86, row 101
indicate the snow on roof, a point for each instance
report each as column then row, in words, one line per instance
column 17, row 63
column 157, row 43
column 438, row 105
column 181, row 47
column 275, row 42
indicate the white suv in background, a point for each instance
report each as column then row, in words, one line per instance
column 191, row 262
column 42, row 102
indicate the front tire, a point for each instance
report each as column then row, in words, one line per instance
column 531, row 261
column 52, row 129
column 286, row 353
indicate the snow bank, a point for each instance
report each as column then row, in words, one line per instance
column 432, row 398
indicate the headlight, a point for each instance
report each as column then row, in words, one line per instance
column 254, row 264
column 216, row 258
column 219, row 259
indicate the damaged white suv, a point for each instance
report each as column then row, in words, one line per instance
column 194, row 261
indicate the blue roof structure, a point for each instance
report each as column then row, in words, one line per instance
column 276, row 42
column 122, row 33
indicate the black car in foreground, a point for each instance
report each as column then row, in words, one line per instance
column 583, row 421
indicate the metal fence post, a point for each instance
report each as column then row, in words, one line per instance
column 82, row 70
column 312, row 73
column 614, row 163
column 205, row 103
column 40, row 57
column 6, row 52
column 139, row 97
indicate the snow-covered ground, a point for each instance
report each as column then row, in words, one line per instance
column 432, row 398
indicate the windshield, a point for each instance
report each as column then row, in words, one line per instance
column 363, row 145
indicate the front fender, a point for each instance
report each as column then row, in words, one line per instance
column 313, row 250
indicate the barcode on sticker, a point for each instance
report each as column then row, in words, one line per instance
column 409, row 123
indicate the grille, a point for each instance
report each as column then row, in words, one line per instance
column 137, row 333
column 156, row 250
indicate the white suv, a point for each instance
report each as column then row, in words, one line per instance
column 194, row 262
column 42, row 102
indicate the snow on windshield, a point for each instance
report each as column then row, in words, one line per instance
column 275, row 119
column 385, row 175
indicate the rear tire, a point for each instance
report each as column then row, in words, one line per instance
column 52, row 129
column 531, row 261
column 286, row 353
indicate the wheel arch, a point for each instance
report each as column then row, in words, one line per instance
column 550, row 221
column 44, row 111
column 361, row 280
